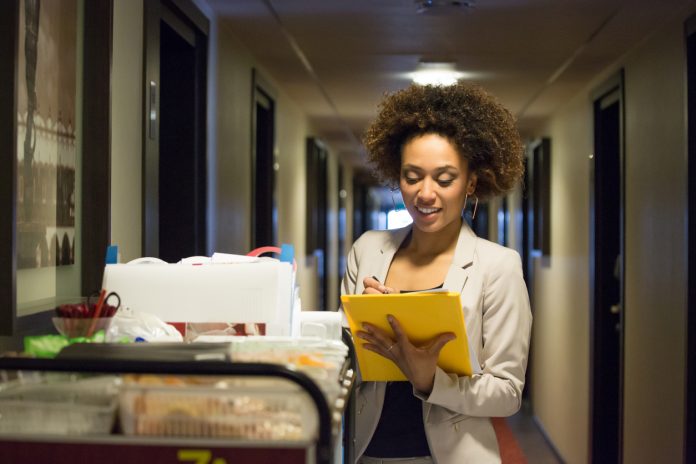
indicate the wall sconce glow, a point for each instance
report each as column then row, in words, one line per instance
column 436, row 74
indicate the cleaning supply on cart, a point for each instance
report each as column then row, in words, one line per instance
column 48, row 346
column 250, row 292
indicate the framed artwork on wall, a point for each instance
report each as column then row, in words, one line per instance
column 48, row 127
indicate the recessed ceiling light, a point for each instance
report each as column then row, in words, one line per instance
column 436, row 73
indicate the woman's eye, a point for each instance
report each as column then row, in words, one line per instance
column 411, row 180
column 445, row 183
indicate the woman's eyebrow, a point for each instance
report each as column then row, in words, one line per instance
column 445, row 168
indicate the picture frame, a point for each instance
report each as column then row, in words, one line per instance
column 94, row 21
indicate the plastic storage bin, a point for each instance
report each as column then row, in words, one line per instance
column 67, row 407
column 246, row 409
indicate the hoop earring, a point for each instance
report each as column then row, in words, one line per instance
column 393, row 191
column 466, row 198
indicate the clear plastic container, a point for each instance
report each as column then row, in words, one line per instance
column 77, row 407
column 246, row 409
column 320, row 359
column 75, row 327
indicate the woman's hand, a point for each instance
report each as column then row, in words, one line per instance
column 418, row 363
column 374, row 287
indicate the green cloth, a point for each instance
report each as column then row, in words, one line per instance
column 48, row 346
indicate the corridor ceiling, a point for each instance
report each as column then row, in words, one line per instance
column 336, row 58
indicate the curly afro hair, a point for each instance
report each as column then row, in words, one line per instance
column 479, row 127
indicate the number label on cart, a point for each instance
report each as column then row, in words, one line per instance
column 199, row 457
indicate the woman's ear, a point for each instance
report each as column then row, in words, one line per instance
column 471, row 186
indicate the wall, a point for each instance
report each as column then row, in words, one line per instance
column 126, row 129
column 230, row 179
column 655, row 249
column 655, row 263
column 559, row 375
column 291, row 140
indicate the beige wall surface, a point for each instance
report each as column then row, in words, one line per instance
column 291, row 192
column 655, row 249
column 230, row 179
column 126, row 129
column 560, row 334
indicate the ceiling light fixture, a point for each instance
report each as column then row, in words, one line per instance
column 436, row 73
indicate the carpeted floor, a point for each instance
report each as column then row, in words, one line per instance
column 510, row 451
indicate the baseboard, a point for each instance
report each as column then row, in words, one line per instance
column 547, row 439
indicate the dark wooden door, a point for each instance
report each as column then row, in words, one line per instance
column 174, row 132
column 265, row 220
column 690, row 423
column 607, row 279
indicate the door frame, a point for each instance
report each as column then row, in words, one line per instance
column 690, row 377
column 262, row 93
column 174, row 12
column 317, row 220
column 611, row 85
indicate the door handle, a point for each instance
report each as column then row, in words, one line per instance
column 615, row 309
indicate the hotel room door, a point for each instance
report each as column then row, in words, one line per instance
column 607, row 275
column 174, row 148
column 690, row 423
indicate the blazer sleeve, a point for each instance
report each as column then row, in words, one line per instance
column 506, row 329
column 350, row 277
column 349, row 283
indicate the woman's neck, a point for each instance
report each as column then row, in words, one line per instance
column 437, row 243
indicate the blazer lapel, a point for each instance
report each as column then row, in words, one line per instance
column 463, row 260
column 389, row 249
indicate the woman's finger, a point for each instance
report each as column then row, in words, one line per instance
column 381, row 338
column 371, row 291
column 379, row 350
column 396, row 327
column 374, row 283
column 440, row 342
column 367, row 337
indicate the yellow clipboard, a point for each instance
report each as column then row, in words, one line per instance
column 422, row 316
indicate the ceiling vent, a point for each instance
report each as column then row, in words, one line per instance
column 443, row 6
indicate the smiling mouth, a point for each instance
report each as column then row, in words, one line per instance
column 423, row 210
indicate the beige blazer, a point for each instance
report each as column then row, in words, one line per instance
column 498, row 319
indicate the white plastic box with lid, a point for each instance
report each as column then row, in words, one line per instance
column 222, row 288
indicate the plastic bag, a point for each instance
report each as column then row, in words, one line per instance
column 140, row 326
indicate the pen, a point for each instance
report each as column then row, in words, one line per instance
column 385, row 288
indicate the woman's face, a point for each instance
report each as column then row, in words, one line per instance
column 434, row 181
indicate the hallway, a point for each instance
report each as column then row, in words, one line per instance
column 279, row 96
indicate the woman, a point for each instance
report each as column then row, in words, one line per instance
column 445, row 147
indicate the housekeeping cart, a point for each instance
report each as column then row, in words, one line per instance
column 81, row 409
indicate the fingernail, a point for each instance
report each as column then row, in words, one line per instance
column 390, row 318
